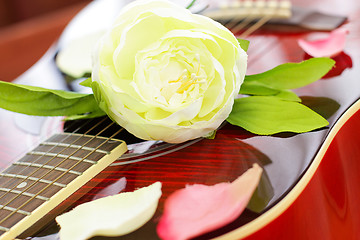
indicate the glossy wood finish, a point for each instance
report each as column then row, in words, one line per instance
column 324, row 204
column 205, row 161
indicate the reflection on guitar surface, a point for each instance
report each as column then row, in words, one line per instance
column 309, row 187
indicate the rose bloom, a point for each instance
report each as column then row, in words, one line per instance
column 166, row 74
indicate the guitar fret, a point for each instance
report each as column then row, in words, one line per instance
column 29, row 164
column 83, row 156
column 48, row 154
column 11, row 175
column 90, row 140
column 24, row 193
column 89, row 136
column 66, row 145
column 15, row 210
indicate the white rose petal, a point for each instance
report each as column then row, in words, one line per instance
column 75, row 58
column 166, row 74
column 110, row 216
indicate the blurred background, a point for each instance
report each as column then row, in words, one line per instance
column 29, row 27
column 13, row 11
column 27, row 30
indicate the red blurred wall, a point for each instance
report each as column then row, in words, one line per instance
column 27, row 30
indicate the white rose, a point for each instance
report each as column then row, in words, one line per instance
column 164, row 73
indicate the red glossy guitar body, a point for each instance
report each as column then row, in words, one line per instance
column 329, row 203
column 324, row 204
column 310, row 186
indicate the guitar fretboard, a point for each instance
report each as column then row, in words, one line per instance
column 44, row 177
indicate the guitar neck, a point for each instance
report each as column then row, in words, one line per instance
column 37, row 183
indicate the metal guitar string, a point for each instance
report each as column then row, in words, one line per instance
column 28, row 177
column 35, row 161
column 13, row 180
column 255, row 26
column 39, row 157
column 236, row 24
column 92, row 137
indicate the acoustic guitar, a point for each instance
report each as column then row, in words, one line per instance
column 309, row 189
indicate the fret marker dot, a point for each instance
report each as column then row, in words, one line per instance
column 21, row 185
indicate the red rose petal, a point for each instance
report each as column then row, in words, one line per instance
column 327, row 47
column 198, row 208
column 342, row 62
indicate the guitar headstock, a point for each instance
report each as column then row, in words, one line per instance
column 279, row 15
column 248, row 14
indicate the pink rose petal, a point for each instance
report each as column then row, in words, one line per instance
column 198, row 208
column 327, row 47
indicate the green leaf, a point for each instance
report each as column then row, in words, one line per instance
column 288, row 95
column 45, row 102
column 294, row 75
column 259, row 89
column 270, row 115
column 211, row 135
column 244, row 44
column 86, row 83
column 98, row 97
column 191, row 4
column 256, row 88
column 86, row 116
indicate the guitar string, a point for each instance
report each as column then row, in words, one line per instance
column 255, row 26
column 59, row 152
column 71, row 155
column 63, row 174
column 14, row 181
column 34, row 161
column 258, row 49
column 251, row 29
column 21, row 193
column 24, row 190
column 41, row 156
column 242, row 24
column 249, row 19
